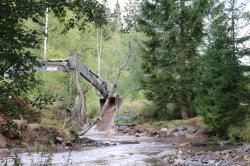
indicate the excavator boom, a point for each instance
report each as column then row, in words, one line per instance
column 72, row 64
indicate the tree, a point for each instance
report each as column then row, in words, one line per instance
column 175, row 31
column 132, row 10
column 18, row 43
column 117, row 24
column 223, row 99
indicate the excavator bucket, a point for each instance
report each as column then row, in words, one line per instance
column 107, row 119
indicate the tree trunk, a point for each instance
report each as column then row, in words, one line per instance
column 184, row 114
column 46, row 34
column 81, row 96
column 99, row 49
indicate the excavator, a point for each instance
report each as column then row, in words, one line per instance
column 105, row 122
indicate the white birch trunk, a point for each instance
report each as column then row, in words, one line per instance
column 46, row 34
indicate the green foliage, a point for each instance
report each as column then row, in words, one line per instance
column 170, row 53
column 18, row 42
column 116, row 23
column 240, row 133
column 222, row 97
column 131, row 113
column 132, row 9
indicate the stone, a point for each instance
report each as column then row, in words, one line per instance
column 181, row 128
column 154, row 133
column 68, row 144
column 164, row 129
column 181, row 133
column 59, row 140
column 175, row 134
column 238, row 158
column 165, row 154
column 185, row 145
column 137, row 135
column 219, row 158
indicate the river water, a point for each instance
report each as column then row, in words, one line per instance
column 141, row 154
column 137, row 154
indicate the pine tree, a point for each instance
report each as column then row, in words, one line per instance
column 222, row 95
column 175, row 31
column 117, row 23
column 132, row 10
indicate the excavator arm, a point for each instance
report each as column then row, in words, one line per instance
column 72, row 64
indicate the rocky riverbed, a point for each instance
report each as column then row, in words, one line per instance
column 193, row 147
column 187, row 157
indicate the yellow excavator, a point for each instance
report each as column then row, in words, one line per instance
column 105, row 121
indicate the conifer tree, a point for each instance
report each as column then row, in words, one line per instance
column 175, row 31
column 132, row 10
column 222, row 98
column 117, row 23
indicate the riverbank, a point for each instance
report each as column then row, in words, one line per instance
column 191, row 128
column 237, row 156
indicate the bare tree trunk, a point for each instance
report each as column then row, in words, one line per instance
column 99, row 49
column 184, row 114
column 46, row 33
column 81, row 96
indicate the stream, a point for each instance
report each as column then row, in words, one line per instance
column 141, row 153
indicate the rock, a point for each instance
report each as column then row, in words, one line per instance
column 238, row 158
column 154, row 133
column 68, row 144
column 164, row 129
column 185, row 145
column 181, row 134
column 219, row 158
column 107, row 144
column 137, row 135
column 165, row 154
column 200, row 133
column 181, row 128
column 59, row 140
column 175, row 134
column 192, row 130
column 180, row 152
